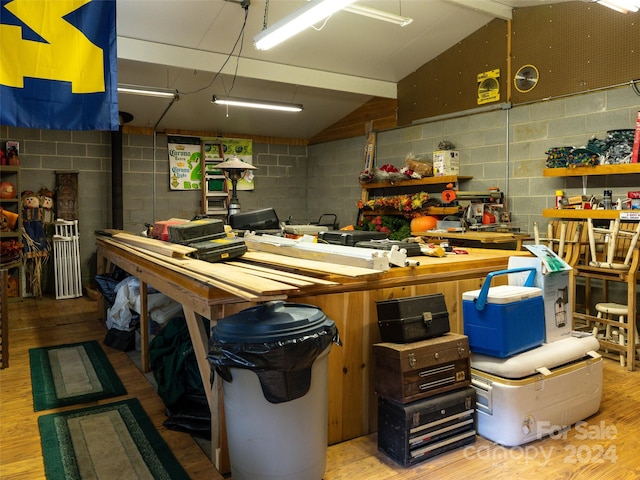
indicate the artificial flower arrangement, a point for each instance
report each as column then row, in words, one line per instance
column 401, row 203
column 397, row 227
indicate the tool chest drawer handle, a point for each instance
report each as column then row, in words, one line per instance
column 433, row 371
column 437, row 383
column 484, row 291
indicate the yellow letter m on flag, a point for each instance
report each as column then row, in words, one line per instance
column 59, row 58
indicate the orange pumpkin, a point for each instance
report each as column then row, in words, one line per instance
column 7, row 190
column 424, row 223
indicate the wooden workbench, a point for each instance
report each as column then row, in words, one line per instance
column 471, row 238
column 347, row 295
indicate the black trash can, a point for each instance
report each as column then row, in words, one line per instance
column 273, row 362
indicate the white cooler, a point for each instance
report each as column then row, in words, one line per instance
column 538, row 392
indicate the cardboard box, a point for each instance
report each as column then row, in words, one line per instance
column 446, row 162
column 553, row 280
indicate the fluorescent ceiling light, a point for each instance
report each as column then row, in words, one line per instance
column 245, row 102
column 622, row 6
column 147, row 91
column 307, row 15
column 378, row 14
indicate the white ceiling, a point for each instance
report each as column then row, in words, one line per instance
column 332, row 70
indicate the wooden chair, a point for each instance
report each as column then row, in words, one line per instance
column 564, row 237
column 613, row 256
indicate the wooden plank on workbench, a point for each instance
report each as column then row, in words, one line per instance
column 225, row 275
column 167, row 249
column 287, row 277
column 308, row 265
column 175, row 266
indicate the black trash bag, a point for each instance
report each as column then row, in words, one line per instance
column 191, row 414
column 120, row 339
column 174, row 363
column 282, row 365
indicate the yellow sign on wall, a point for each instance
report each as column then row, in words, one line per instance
column 489, row 86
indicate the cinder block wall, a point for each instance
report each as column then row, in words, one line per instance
column 490, row 144
column 281, row 180
column 304, row 183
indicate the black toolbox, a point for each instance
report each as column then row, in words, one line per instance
column 410, row 319
column 350, row 237
column 264, row 220
column 219, row 249
column 414, row 432
column 196, row 231
column 406, row 372
column 412, row 249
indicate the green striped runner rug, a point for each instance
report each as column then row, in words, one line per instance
column 70, row 374
column 114, row 441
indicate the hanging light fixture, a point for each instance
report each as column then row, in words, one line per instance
column 234, row 168
column 622, row 6
column 378, row 14
column 307, row 15
column 246, row 102
column 147, row 91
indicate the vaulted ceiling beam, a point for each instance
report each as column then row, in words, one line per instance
column 495, row 9
column 175, row 56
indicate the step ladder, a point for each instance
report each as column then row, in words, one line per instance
column 66, row 254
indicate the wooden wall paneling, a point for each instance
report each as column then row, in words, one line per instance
column 381, row 112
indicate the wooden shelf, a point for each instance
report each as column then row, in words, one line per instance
column 214, row 201
column 12, row 234
column 583, row 214
column 621, row 169
column 416, row 182
column 425, row 211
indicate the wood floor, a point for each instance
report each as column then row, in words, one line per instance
column 606, row 447
column 39, row 323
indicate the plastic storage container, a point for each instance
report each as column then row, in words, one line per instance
column 273, row 361
column 505, row 320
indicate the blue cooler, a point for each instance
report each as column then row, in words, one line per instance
column 505, row 320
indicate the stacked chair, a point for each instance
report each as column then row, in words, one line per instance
column 613, row 257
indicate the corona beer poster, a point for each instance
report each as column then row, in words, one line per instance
column 184, row 163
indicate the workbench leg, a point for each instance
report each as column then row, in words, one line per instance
column 102, row 266
column 144, row 329
column 200, row 342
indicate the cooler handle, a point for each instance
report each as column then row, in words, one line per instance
column 484, row 291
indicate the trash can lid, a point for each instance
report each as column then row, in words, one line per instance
column 271, row 322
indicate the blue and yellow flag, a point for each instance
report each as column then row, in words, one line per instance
column 58, row 64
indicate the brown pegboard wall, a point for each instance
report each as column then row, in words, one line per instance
column 576, row 47
column 449, row 82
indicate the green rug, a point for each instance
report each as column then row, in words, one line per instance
column 71, row 374
column 115, row 441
